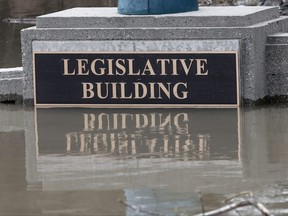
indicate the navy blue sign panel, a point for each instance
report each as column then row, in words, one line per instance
column 136, row 79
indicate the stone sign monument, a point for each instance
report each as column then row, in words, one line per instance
column 99, row 57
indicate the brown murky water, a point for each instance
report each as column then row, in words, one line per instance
column 82, row 161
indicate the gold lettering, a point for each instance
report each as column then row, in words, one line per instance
column 174, row 65
column 184, row 93
column 148, row 68
column 99, row 90
column 137, row 90
column 114, row 90
column 110, row 67
column 163, row 65
column 185, row 67
column 87, row 90
column 93, row 67
column 123, row 91
column 152, row 91
column 201, row 70
column 164, row 89
column 121, row 67
column 66, row 68
column 82, row 67
column 131, row 68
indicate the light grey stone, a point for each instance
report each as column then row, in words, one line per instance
column 205, row 17
column 278, row 38
column 134, row 45
column 277, row 65
column 6, row 73
column 11, row 84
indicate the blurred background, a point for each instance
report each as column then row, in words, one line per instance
column 10, row 55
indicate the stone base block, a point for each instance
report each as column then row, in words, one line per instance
column 249, row 26
column 11, row 85
column 277, row 64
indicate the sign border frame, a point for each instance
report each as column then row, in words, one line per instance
column 129, row 106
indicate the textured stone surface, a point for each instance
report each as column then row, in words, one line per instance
column 278, row 38
column 277, row 64
column 204, row 17
column 134, row 45
column 252, row 40
column 11, row 84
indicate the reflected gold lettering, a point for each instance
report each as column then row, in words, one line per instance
column 125, row 134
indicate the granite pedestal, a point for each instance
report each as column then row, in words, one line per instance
column 277, row 65
column 242, row 29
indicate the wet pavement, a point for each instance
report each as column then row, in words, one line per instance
column 83, row 161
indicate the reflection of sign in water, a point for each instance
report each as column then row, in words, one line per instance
column 137, row 79
column 156, row 134
column 188, row 134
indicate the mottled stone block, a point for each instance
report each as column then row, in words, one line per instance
column 277, row 64
column 229, row 16
column 11, row 84
column 134, row 45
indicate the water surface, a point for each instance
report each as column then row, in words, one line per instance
column 82, row 161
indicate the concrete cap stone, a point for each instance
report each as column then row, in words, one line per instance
column 277, row 39
column 10, row 73
column 229, row 16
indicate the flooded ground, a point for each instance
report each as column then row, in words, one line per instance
column 83, row 161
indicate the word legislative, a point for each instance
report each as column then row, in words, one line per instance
column 130, row 68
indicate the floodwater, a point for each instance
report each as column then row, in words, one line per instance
column 83, row 161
